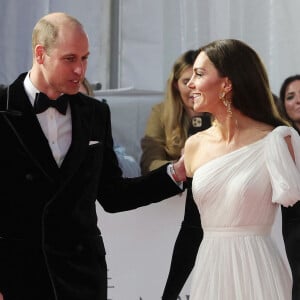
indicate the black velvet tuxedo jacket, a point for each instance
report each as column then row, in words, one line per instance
column 50, row 245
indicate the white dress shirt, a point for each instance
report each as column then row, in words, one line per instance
column 56, row 126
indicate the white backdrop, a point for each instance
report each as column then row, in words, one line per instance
column 151, row 34
column 155, row 32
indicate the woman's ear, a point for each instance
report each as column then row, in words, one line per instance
column 227, row 85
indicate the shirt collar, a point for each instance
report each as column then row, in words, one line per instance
column 30, row 89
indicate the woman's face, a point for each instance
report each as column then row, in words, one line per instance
column 184, row 90
column 292, row 100
column 206, row 85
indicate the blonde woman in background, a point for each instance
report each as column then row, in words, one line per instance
column 169, row 122
column 169, row 125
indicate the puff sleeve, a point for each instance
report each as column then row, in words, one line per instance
column 284, row 171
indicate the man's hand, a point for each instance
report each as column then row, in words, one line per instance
column 179, row 170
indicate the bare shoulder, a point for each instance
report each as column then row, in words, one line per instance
column 194, row 146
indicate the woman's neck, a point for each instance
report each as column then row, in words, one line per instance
column 228, row 125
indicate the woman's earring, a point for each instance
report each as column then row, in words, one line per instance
column 227, row 103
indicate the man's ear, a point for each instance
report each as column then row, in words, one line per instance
column 39, row 53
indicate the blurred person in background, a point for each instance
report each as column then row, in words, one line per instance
column 289, row 98
column 168, row 126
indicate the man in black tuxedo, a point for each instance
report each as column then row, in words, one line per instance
column 56, row 159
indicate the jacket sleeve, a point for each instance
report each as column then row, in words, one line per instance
column 116, row 193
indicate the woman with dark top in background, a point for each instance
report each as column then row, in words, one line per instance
column 289, row 99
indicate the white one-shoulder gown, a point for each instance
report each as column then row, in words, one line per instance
column 238, row 195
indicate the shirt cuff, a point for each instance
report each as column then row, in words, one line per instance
column 170, row 171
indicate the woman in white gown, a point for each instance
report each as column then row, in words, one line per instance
column 243, row 167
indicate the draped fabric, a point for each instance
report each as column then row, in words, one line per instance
column 149, row 35
column 236, row 195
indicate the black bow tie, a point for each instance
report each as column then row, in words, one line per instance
column 42, row 102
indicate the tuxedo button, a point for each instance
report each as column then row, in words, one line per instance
column 29, row 177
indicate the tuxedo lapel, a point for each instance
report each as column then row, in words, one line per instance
column 81, row 127
column 29, row 133
column 34, row 142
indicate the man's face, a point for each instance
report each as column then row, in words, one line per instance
column 64, row 65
